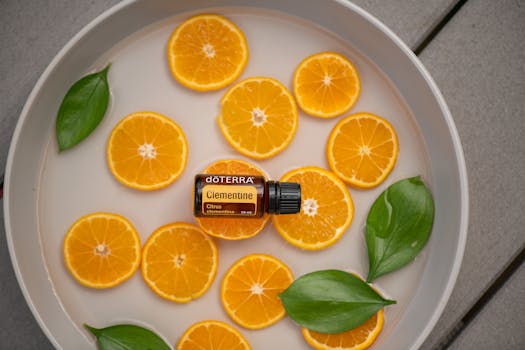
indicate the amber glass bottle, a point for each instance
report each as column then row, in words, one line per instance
column 244, row 196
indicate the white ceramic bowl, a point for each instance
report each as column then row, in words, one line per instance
column 45, row 192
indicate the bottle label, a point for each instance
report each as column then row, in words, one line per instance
column 229, row 200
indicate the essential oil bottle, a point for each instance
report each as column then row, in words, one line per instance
column 244, row 196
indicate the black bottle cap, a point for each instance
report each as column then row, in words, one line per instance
column 290, row 198
column 284, row 197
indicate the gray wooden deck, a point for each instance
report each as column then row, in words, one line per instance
column 474, row 49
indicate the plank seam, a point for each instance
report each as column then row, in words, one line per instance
column 483, row 300
column 438, row 27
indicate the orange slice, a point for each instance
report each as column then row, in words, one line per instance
column 250, row 290
column 179, row 262
column 326, row 212
column 232, row 228
column 147, row 151
column 326, row 85
column 207, row 52
column 212, row 335
column 258, row 117
column 102, row 250
column 358, row 338
column 362, row 149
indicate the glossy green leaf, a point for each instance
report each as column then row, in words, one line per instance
column 127, row 337
column 331, row 301
column 82, row 109
column 398, row 226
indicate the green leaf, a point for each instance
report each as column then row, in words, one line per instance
column 331, row 301
column 127, row 337
column 398, row 226
column 82, row 109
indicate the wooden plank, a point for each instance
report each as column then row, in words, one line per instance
column 477, row 61
column 500, row 324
